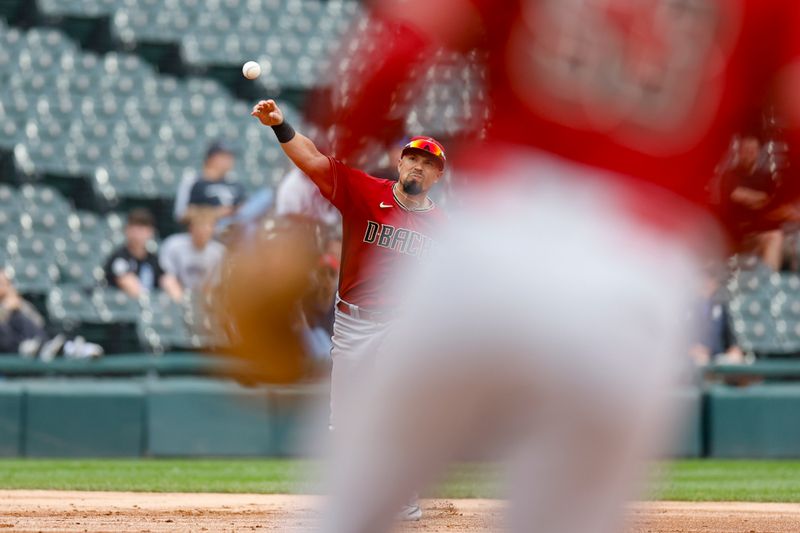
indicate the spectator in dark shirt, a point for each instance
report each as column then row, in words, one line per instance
column 23, row 329
column 750, row 184
column 213, row 186
column 749, row 180
column 19, row 320
column 135, row 269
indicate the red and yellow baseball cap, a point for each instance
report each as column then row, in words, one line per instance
column 426, row 144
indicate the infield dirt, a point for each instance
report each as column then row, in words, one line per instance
column 157, row 512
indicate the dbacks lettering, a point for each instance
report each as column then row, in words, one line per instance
column 401, row 240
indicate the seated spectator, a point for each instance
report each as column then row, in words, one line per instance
column 749, row 183
column 193, row 258
column 135, row 269
column 22, row 329
column 714, row 342
column 213, row 186
column 19, row 319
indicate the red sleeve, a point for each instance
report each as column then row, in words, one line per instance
column 785, row 88
column 348, row 185
column 381, row 62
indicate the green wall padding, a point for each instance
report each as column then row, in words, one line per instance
column 299, row 420
column 759, row 421
column 689, row 440
column 209, row 417
column 204, row 417
column 10, row 420
column 84, row 419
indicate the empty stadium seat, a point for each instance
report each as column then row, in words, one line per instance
column 83, row 273
column 69, row 305
column 113, row 305
column 8, row 196
column 9, row 221
column 33, row 276
column 162, row 326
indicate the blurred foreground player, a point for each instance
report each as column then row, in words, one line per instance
column 549, row 329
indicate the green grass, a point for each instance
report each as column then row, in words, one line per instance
column 157, row 475
column 700, row 480
column 718, row 480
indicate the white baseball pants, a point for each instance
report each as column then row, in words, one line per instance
column 548, row 333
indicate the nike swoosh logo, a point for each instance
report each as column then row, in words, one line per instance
column 383, row 205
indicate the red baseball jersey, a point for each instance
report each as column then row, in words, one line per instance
column 650, row 89
column 379, row 234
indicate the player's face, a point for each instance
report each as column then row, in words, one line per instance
column 418, row 172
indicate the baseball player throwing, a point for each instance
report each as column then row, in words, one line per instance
column 386, row 225
column 549, row 327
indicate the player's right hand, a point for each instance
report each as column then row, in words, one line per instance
column 268, row 113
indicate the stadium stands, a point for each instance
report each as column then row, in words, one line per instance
column 292, row 39
column 90, row 126
column 765, row 310
column 70, row 116
column 114, row 120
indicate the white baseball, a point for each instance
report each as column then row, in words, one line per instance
column 251, row 70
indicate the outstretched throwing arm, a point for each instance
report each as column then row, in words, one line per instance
column 299, row 148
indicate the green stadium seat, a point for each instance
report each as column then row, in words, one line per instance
column 92, row 224
column 162, row 326
column 11, row 133
column 31, row 246
column 53, row 9
column 69, row 305
column 17, row 105
column 80, row 246
column 8, row 196
column 33, row 276
column 76, row 246
column 164, row 333
column 9, row 221
column 86, row 273
column 43, row 158
column 758, row 335
column 205, row 327
column 113, row 305
column 45, row 220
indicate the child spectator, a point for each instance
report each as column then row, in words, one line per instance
column 193, row 258
column 132, row 267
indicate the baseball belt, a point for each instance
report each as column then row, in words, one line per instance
column 363, row 314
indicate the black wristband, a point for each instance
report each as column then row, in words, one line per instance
column 284, row 132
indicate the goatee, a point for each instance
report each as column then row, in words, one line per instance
column 412, row 187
